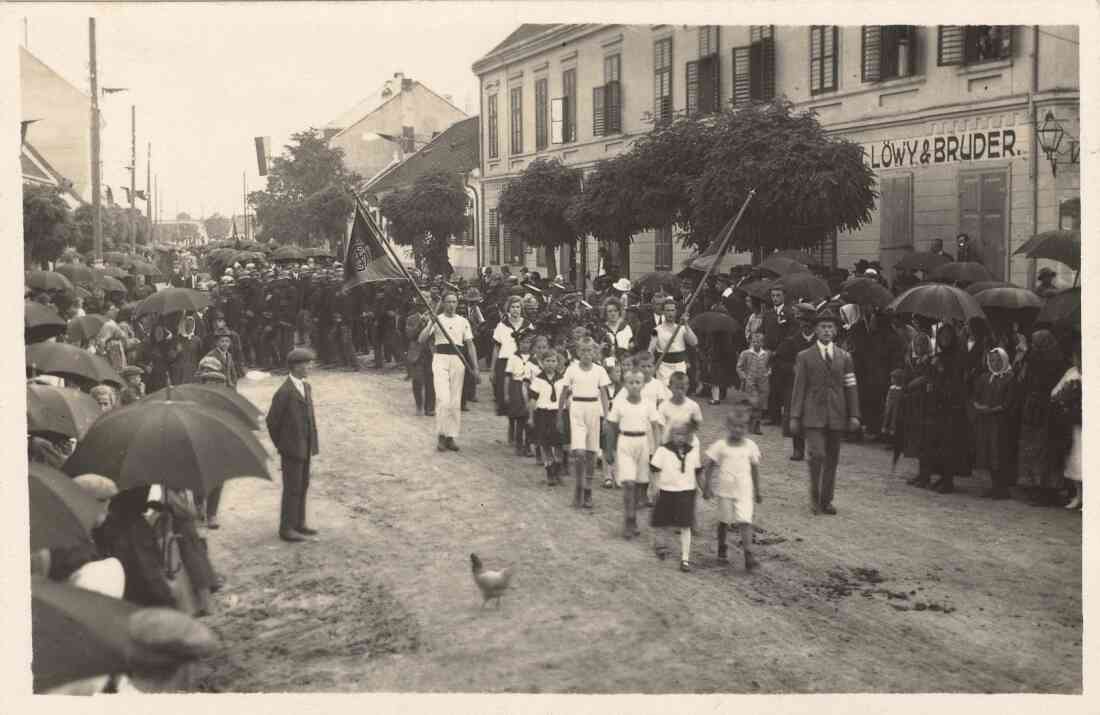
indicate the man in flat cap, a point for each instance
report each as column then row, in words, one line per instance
column 293, row 428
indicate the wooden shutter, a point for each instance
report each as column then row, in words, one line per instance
column 762, row 69
column 872, row 53
column 599, row 110
column 742, row 75
column 896, row 211
column 692, row 84
column 557, row 120
column 817, row 57
column 708, row 85
column 541, row 92
column 614, row 103
column 950, row 49
column 494, row 237
column 991, row 247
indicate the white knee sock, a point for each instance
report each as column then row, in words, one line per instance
column 685, row 544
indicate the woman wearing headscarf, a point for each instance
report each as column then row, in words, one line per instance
column 1065, row 427
column 945, row 435
column 186, row 353
column 1042, row 369
column 990, row 400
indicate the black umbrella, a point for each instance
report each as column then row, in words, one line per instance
column 78, row 273
column 1058, row 245
column 142, row 268
column 866, row 291
column 976, row 288
column 69, row 361
column 173, row 300
column 83, row 328
column 113, row 272
column 60, row 410
column 781, row 266
column 177, row 444
column 40, row 322
column 1062, row 309
column 712, row 321
column 1008, row 298
column 288, row 253
column 62, row 514
column 796, row 255
column 48, row 280
column 79, row 634
column 922, row 261
column 938, row 301
column 760, row 290
column 802, row 284
column 214, row 396
column 110, row 284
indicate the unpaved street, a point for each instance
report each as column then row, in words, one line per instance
column 902, row 591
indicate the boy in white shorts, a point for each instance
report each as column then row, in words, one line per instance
column 631, row 421
column 585, row 397
column 736, row 459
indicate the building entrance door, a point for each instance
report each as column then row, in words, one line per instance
column 983, row 217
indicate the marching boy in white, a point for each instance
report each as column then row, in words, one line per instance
column 631, row 422
column 585, row 398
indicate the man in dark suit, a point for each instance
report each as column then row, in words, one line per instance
column 778, row 325
column 824, row 404
column 293, row 429
column 783, row 362
column 937, row 249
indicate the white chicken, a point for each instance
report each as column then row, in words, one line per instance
column 492, row 584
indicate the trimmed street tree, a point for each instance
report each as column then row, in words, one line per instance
column 534, row 207
column 305, row 200
column 425, row 218
column 47, row 222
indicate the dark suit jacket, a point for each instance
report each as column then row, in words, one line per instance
column 777, row 326
column 291, row 422
column 824, row 395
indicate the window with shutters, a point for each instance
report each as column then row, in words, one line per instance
column 494, row 140
column 983, row 212
column 469, row 230
column 493, row 231
column 662, row 81
column 703, row 76
column 888, row 52
column 754, row 67
column 512, row 245
column 515, row 98
column 607, row 99
column 823, row 58
column 972, row 44
column 662, row 249
column 569, row 106
column 708, row 40
column 542, row 107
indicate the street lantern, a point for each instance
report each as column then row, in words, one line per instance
column 1050, row 139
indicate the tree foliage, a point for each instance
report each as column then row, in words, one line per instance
column 306, row 199
column 218, row 227
column 47, row 223
column 425, row 217
column 534, row 205
column 696, row 172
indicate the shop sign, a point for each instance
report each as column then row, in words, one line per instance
column 942, row 149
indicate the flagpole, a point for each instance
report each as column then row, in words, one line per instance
column 401, row 267
column 699, row 288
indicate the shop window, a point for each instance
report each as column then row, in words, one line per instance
column 983, row 210
column 494, row 142
column 662, row 249
column 972, row 44
column 703, row 76
column 823, row 58
column 542, row 105
column 662, row 81
column 754, row 67
column 494, row 238
column 889, row 52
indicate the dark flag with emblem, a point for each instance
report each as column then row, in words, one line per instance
column 365, row 258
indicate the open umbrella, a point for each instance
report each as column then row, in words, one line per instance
column 173, row 300
column 60, row 410
column 319, row 252
column 802, row 284
column 40, row 322
column 288, row 253
column 213, row 396
column 796, row 255
column 866, row 291
column 62, row 513
column 84, row 327
column 177, row 444
column 143, row 268
column 938, row 301
column 658, row 280
column 713, row 322
column 760, row 290
column 1062, row 309
column 117, row 257
column 78, row 273
column 976, row 288
column 48, row 280
column 110, row 285
column 961, row 272
column 82, row 292
column 922, row 261
column 69, row 361
column 1008, row 298
column 77, row 634
column 1058, row 245
column 782, row 266
column 113, row 272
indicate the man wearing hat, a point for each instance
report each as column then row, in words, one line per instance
column 1045, row 286
column 471, row 310
column 134, row 389
column 783, row 370
column 824, row 405
column 292, row 424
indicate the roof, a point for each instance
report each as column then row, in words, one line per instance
column 455, row 150
column 37, row 169
column 31, row 170
column 520, row 34
column 374, row 101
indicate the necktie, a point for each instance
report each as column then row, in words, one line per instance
column 828, row 356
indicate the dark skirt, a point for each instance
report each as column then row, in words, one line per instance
column 547, row 433
column 500, row 394
column 517, row 406
column 674, row 509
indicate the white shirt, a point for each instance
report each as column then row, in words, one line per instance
column 457, row 327
column 633, row 417
column 504, row 336
column 825, row 350
column 623, row 335
column 519, row 367
column 300, row 384
column 586, row 383
column 664, row 335
column 654, row 392
column 673, row 415
column 735, row 464
column 672, row 475
column 547, row 394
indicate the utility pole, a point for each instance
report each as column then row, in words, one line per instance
column 156, row 202
column 26, row 34
column 244, row 202
column 97, row 215
column 149, row 191
column 133, row 174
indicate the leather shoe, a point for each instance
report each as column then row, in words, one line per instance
column 306, row 531
column 429, row 413
column 828, row 509
column 291, row 535
column 450, row 444
column 796, row 458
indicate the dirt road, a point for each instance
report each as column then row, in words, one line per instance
column 902, row 591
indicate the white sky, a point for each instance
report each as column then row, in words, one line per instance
column 208, row 79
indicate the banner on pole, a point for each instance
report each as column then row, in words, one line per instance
column 365, row 258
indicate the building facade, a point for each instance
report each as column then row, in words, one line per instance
column 947, row 116
column 390, row 125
